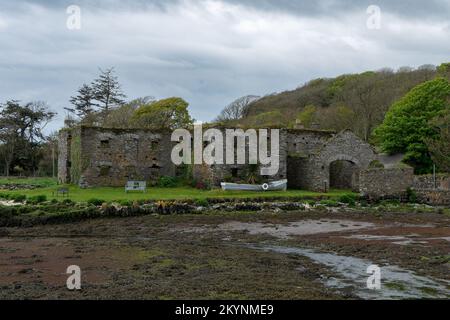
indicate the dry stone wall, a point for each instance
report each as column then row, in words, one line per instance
column 386, row 183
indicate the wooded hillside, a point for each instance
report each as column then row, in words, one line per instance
column 354, row 101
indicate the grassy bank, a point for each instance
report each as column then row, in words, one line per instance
column 180, row 193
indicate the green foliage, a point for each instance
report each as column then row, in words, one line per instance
column 349, row 199
column 115, row 194
column 337, row 86
column 267, row 119
column 411, row 195
column 36, row 182
column 126, row 203
column 253, row 175
column 106, row 90
column 16, row 197
column 307, row 116
column 95, row 202
column 75, row 158
column 68, row 202
column 444, row 70
column 21, row 135
column 406, row 126
column 167, row 182
column 356, row 101
column 201, row 202
column 171, row 113
column 37, row 199
column 440, row 145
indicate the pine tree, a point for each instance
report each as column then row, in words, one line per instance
column 83, row 103
column 107, row 90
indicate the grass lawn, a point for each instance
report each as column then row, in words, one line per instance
column 180, row 193
column 43, row 182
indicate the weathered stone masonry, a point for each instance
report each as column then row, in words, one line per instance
column 386, row 183
column 310, row 170
column 310, row 159
column 111, row 157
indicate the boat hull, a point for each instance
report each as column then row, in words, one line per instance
column 271, row 186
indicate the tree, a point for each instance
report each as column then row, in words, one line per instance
column 307, row 116
column 171, row 113
column 407, row 124
column 47, row 154
column 21, row 131
column 365, row 96
column 83, row 103
column 237, row 109
column 440, row 146
column 338, row 118
column 107, row 90
column 269, row 119
column 444, row 70
column 123, row 116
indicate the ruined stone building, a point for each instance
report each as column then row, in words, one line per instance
column 310, row 159
column 91, row 156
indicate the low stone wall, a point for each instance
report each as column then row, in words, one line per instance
column 385, row 183
column 434, row 197
column 426, row 182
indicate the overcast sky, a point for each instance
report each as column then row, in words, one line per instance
column 209, row 52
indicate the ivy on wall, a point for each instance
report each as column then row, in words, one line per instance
column 75, row 159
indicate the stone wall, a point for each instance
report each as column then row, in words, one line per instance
column 385, row 183
column 428, row 182
column 345, row 146
column 434, row 197
column 240, row 173
column 110, row 157
column 303, row 142
column 113, row 157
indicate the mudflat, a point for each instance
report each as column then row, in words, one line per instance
column 265, row 255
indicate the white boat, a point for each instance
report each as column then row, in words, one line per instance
column 280, row 185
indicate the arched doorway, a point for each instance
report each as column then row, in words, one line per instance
column 344, row 173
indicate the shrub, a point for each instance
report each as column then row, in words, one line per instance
column 95, row 202
column 167, row 182
column 412, row 195
column 126, row 203
column 349, row 199
column 17, row 197
column 68, row 202
column 202, row 185
column 37, row 199
column 201, row 202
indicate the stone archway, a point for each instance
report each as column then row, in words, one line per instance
column 343, row 172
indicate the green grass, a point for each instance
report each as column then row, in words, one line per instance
column 41, row 182
column 180, row 193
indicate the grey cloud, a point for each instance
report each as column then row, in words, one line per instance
column 182, row 48
column 407, row 8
